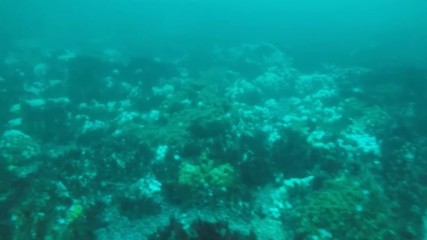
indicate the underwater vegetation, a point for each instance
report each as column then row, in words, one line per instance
column 205, row 175
column 347, row 209
column 246, row 146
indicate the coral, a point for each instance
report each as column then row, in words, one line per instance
column 176, row 121
column 17, row 147
column 206, row 175
column 75, row 212
column 100, row 146
column 147, row 187
column 345, row 209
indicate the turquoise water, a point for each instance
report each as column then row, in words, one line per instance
column 213, row 120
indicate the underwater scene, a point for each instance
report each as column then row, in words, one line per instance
column 213, row 120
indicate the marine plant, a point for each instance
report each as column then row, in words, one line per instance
column 206, row 174
column 346, row 209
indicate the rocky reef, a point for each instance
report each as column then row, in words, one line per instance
column 248, row 148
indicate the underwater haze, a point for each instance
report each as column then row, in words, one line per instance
column 353, row 32
column 213, row 120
